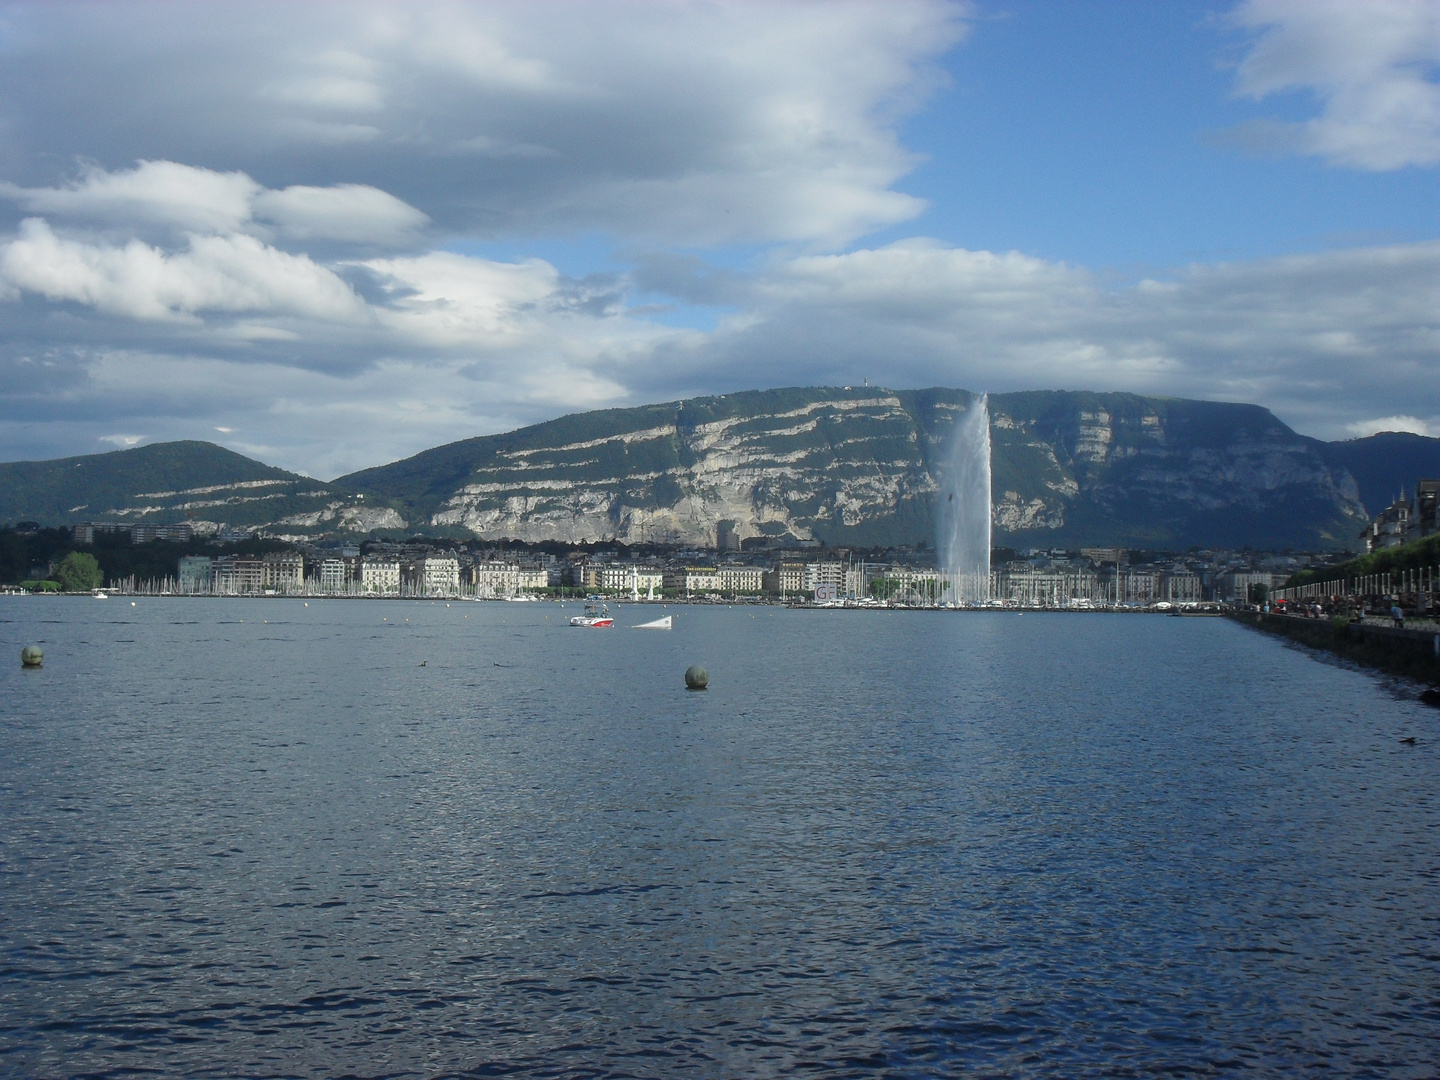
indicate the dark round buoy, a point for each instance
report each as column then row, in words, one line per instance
column 696, row 677
column 31, row 656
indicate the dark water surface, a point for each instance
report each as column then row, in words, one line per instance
column 899, row 844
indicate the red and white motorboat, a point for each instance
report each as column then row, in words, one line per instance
column 595, row 615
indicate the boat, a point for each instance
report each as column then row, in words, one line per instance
column 658, row 624
column 595, row 616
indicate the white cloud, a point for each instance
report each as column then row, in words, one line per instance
column 355, row 213
column 200, row 200
column 1361, row 428
column 123, row 441
column 1372, row 65
column 154, row 192
column 681, row 122
column 216, row 273
column 449, row 299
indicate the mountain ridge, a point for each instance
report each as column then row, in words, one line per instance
column 842, row 465
column 1070, row 467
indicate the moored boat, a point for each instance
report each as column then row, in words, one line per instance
column 595, row 616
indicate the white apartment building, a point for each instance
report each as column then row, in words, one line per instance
column 380, row 577
column 433, row 575
column 693, row 579
column 534, row 577
column 495, row 578
column 624, row 576
column 740, row 579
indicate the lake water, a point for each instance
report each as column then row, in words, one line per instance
column 257, row 838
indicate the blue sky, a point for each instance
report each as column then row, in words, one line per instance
column 1094, row 133
column 331, row 235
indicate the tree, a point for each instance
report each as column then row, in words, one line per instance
column 1259, row 593
column 79, row 572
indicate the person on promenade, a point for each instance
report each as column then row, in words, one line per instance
column 1398, row 616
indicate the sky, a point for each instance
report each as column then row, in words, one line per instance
column 329, row 236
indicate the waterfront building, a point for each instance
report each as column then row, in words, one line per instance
column 233, row 575
column 740, row 579
column 1181, row 587
column 493, row 578
column 621, row 577
column 432, row 575
column 1048, row 587
column 284, row 571
column 532, row 576
column 330, row 575
column 586, row 573
column 380, row 577
column 786, row 578
column 194, row 573
column 825, row 574
column 692, row 579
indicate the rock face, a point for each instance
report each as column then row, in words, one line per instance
column 860, row 467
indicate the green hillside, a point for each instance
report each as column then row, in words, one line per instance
column 165, row 483
column 1386, row 463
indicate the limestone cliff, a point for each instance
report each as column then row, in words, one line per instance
column 860, row 466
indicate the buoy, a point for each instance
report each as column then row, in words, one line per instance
column 696, row 677
column 31, row 656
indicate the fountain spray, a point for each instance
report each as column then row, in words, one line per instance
column 965, row 508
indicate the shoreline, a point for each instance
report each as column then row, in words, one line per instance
column 1007, row 609
column 1411, row 653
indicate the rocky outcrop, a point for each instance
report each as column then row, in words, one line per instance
column 861, row 467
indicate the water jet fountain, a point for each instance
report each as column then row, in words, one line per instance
column 964, row 545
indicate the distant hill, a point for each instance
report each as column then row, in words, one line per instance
column 1383, row 464
column 860, row 466
column 180, row 481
